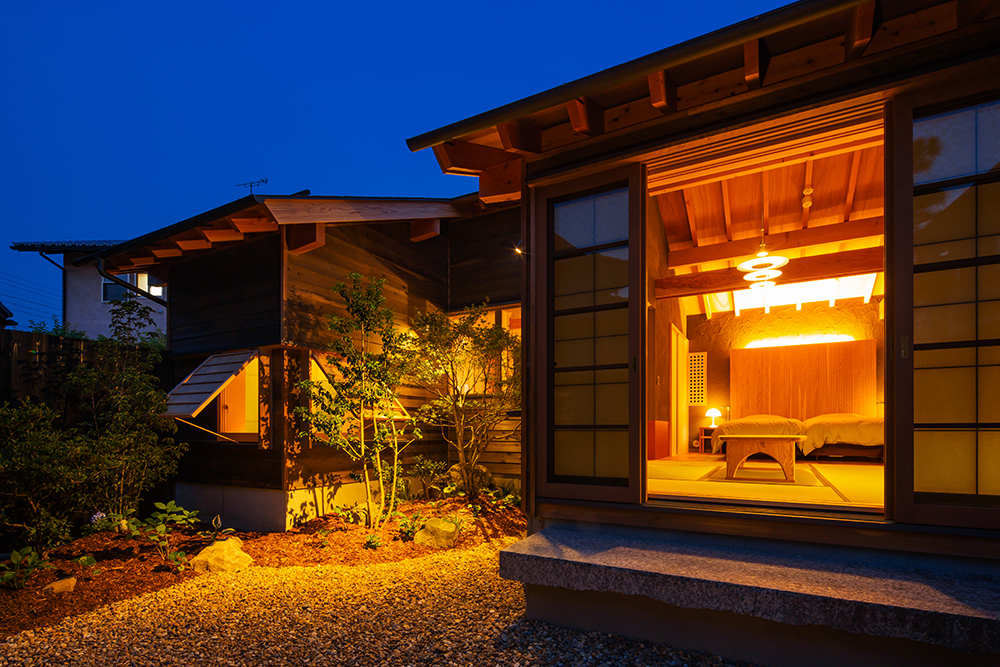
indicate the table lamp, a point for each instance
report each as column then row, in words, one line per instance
column 713, row 413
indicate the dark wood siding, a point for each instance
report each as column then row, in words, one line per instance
column 415, row 273
column 483, row 262
column 230, row 464
column 227, row 300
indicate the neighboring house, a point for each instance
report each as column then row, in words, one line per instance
column 5, row 317
column 859, row 143
column 249, row 287
column 87, row 295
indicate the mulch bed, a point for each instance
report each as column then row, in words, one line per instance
column 128, row 566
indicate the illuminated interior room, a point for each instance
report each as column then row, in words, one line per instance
column 767, row 357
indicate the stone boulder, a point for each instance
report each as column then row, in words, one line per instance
column 222, row 556
column 437, row 534
column 64, row 585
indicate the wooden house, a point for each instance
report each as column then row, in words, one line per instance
column 249, row 290
column 790, row 224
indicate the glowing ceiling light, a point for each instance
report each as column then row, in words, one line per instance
column 803, row 339
column 762, row 269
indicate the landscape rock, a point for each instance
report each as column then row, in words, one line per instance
column 64, row 585
column 482, row 477
column 222, row 556
column 437, row 533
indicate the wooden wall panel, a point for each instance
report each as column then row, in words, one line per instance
column 227, row 463
column 226, row 300
column 803, row 381
column 482, row 260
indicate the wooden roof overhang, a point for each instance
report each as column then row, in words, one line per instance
column 303, row 217
column 796, row 57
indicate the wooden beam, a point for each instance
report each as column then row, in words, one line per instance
column 463, row 157
column 421, row 230
column 220, row 232
column 296, row 211
column 836, row 265
column 756, row 58
column 586, row 116
column 501, row 183
column 162, row 251
column 807, row 187
column 801, row 238
column 727, row 210
column 520, row 137
column 973, row 11
column 191, row 240
column 863, row 24
column 852, row 185
column 689, row 213
column 765, row 190
column 662, row 91
column 303, row 238
column 253, row 224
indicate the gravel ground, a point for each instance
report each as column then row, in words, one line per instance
column 445, row 609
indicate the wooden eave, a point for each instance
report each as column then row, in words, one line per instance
column 786, row 59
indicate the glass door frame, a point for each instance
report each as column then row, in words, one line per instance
column 541, row 347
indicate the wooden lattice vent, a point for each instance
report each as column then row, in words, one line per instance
column 697, row 363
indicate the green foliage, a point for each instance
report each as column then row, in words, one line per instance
column 359, row 412
column 121, row 404
column 408, row 526
column 21, row 567
column 456, row 519
column 428, row 472
column 57, row 328
column 158, row 528
column 351, row 513
column 472, row 368
column 373, row 542
column 46, row 475
column 216, row 530
column 506, row 495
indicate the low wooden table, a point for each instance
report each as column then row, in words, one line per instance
column 780, row 447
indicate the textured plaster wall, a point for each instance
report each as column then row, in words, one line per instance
column 84, row 308
column 725, row 332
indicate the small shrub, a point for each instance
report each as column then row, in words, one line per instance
column 216, row 530
column 456, row 519
column 158, row 528
column 373, row 542
column 21, row 567
column 409, row 526
column 351, row 514
column 427, row 472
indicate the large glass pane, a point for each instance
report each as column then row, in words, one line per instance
column 988, row 137
column 590, row 221
column 944, row 146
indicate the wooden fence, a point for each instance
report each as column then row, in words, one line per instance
column 32, row 363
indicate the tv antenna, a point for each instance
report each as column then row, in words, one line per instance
column 251, row 184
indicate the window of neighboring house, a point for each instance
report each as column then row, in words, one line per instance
column 112, row 291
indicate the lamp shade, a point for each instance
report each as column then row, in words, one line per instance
column 713, row 413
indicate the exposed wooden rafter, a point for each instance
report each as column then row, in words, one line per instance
column 756, row 59
column 165, row 250
column 191, row 240
column 253, row 224
column 586, row 116
column 222, row 231
column 765, row 215
column 807, row 187
column 972, row 11
column 727, row 210
column 802, row 238
column 354, row 211
column 520, row 137
column 421, row 230
column 303, row 238
column 852, row 185
column 689, row 212
column 662, row 91
column 861, row 27
column 463, row 157
column 836, row 265
column 501, row 183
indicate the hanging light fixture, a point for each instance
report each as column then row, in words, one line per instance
column 762, row 269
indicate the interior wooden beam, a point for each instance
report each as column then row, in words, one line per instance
column 727, row 210
column 421, row 230
column 756, row 58
column 501, row 183
column 662, row 91
column 836, row 265
column 861, row 27
column 191, row 240
column 689, row 214
column 972, row 11
column 520, row 137
column 765, row 213
column 586, row 116
column 807, row 187
column 800, row 238
column 463, row 157
column 253, row 224
column 347, row 211
column 852, row 185
column 303, row 238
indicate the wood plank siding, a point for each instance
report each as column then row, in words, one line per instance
column 482, row 261
column 227, row 300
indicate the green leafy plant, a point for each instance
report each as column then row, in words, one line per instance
column 472, row 369
column 427, row 471
column 216, row 530
column 409, row 526
column 456, row 519
column 58, row 327
column 350, row 513
column 158, row 528
column 358, row 410
column 373, row 542
column 21, row 567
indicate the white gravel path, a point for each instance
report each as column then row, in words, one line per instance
column 449, row 608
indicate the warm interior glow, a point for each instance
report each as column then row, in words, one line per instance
column 713, row 413
column 829, row 290
column 804, row 339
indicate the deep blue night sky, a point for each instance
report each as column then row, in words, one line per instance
column 120, row 118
